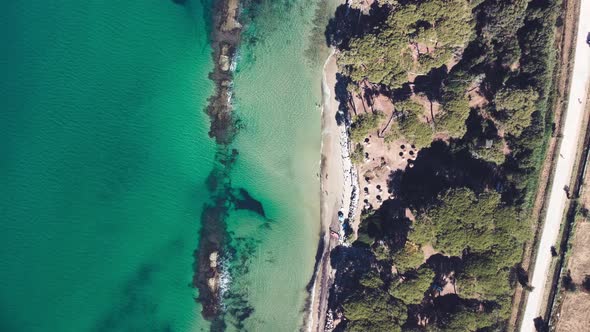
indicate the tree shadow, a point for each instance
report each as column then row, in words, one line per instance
column 541, row 325
column 350, row 22
column 479, row 128
column 343, row 98
column 522, row 276
column 431, row 83
column 387, row 224
column 440, row 167
column 443, row 265
column 403, row 93
column 350, row 263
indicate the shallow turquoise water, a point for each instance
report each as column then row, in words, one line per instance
column 277, row 98
column 103, row 156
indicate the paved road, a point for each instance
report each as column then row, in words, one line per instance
column 557, row 199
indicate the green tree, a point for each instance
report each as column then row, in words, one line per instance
column 372, row 325
column 371, row 279
column 411, row 290
column 463, row 221
column 375, row 307
column 410, row 124
column 363, row 124
column 438, row 28
column 466, row 320
column 408, row 258
column 493, row 153
column 484, row 278
column 455, row 103
column 514, row 108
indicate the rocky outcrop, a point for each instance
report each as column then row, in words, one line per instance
column 225, row 39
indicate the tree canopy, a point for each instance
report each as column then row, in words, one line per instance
column 372, row 308
column 363, row 124
column 412, row 289
column 416, row 37
column 514, row 108
column 463, row 221
column 489, row 64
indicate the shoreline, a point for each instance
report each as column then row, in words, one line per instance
column 338, row 187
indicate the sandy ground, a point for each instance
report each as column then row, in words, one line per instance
column 573, row 315
column 381, row 159
column 563, row 170
column 336, row 193
column 575, row 306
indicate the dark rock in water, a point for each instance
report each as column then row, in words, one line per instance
column 214, row 238
column 179, row 2
column 207, row 270
column 244, row 201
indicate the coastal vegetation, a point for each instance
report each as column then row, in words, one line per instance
column 412, row 289
column 409, row 125
column 363, row 124
column 373, row 310
column 470, row 85
column 416, row 36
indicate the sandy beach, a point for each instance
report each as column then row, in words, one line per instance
column 336, row 191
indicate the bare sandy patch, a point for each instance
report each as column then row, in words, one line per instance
column 381, row 159
column 576, row 305
column 574, row 313
column 476, row 97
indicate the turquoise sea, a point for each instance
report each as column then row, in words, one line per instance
column 104, row 154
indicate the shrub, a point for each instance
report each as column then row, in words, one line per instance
column 358, row 154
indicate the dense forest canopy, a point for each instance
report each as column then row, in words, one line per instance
column 415, row 38
column 452, row 264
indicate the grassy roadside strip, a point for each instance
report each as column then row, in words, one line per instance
column 560, row 264
column 558, row 102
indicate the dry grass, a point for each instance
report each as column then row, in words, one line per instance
column 574, row 315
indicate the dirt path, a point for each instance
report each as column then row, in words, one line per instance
column 563, row 170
